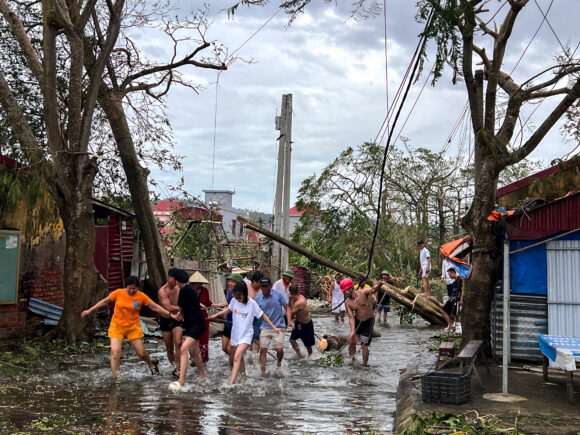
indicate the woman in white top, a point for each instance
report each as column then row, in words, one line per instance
column 244, row 310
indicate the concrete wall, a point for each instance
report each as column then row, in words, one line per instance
column 40, row 272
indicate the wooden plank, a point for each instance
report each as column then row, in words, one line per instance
column 470, row 349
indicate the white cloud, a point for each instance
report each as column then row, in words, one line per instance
column 335, row 69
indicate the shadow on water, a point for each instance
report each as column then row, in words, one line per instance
column 78, row 396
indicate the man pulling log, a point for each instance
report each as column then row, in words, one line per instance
column 360, row 316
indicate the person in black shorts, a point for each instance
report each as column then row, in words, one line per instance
column 193, row 326
column 360, row 316
column 453, row 306
column 303, row 326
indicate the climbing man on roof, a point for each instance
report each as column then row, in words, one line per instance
column 360, row 316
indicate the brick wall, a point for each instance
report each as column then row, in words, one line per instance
column 40, row 277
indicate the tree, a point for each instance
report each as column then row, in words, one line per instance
column 61, row 154
column 340, row 206
column 454, row 25
column 131, row 77
column 68, row 60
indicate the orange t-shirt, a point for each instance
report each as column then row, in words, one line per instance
column 127, row 307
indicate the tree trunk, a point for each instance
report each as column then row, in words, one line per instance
column 485, row 253
column 421, row 306
column 82, row 283
column 157, row 261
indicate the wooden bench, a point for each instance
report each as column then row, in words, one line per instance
column 468, row 357
column 446, row 353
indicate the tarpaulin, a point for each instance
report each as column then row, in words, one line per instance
column 455, row 251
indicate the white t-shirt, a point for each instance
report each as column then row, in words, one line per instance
column 242, row 319
column 279, row 285
column 423, row 257
column 444, row 268
column 337, row 299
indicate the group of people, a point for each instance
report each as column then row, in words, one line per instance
column 256, row 315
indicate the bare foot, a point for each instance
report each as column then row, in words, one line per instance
column 202, row 375
column 427, row 295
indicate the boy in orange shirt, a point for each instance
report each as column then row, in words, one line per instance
column 125, row 322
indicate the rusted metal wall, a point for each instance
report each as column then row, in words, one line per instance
column 529, row 318
column 302, row 279
column 563, row 257
column 120, row 251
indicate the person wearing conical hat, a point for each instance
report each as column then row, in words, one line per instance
column 197, row 281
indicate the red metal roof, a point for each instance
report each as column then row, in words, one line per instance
column 538, row 175
column 563, row 214
column 294, row 212
column 168, row 206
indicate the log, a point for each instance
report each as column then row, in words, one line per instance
column 337, row 342
column 420, row 307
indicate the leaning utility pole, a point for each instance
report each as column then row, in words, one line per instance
column 282, row 200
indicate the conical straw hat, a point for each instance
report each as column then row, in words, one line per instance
column 198, row 277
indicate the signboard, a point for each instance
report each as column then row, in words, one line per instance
column 9, row 257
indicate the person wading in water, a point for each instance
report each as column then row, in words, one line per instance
column 361, row 316
column 125, row 322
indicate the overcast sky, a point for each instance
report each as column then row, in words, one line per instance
column 335, row 68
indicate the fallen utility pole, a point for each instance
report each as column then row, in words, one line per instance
column 422, row 306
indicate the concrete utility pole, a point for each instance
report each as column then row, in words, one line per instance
column 282, row 200
column 286, row 201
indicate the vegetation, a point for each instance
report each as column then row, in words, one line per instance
column 468, row 423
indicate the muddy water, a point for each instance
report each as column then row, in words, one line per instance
column 77, row 396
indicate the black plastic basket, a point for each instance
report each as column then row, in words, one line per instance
column 450, row 388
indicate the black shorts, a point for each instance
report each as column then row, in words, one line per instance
column 304, row 332
column 451, row 307
column 167, row 324
column 194, row 330
column 364, row 330
column 227, row 331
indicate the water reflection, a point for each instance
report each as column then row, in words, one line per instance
column 305, row 398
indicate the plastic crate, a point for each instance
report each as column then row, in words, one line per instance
column 450, row 388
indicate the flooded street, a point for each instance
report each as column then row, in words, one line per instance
column 79, row 397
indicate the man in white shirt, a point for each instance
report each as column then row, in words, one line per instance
column 445, row 266
column 337, row 298
column 283, row 284
column 425, row 260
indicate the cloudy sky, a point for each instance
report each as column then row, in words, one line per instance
column 335, row 68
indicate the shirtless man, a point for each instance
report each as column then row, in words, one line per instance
column 171, row 329
column 303, row 326
column 360, row 316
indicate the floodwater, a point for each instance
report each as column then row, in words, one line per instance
column 77, row 396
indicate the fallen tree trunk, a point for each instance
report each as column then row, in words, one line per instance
column 337, row 342
column 422, row 306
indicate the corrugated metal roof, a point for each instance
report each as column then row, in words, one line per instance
column 562, row 214
column 525, row 181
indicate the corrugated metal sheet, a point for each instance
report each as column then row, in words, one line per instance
column 563, row 258
column 556, row 216
column 529, row 318
column 101, row 250
column 120, row 247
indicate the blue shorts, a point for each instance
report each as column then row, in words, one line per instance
column 384, row 308
column 257, row 323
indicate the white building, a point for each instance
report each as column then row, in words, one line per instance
column 221, row 201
